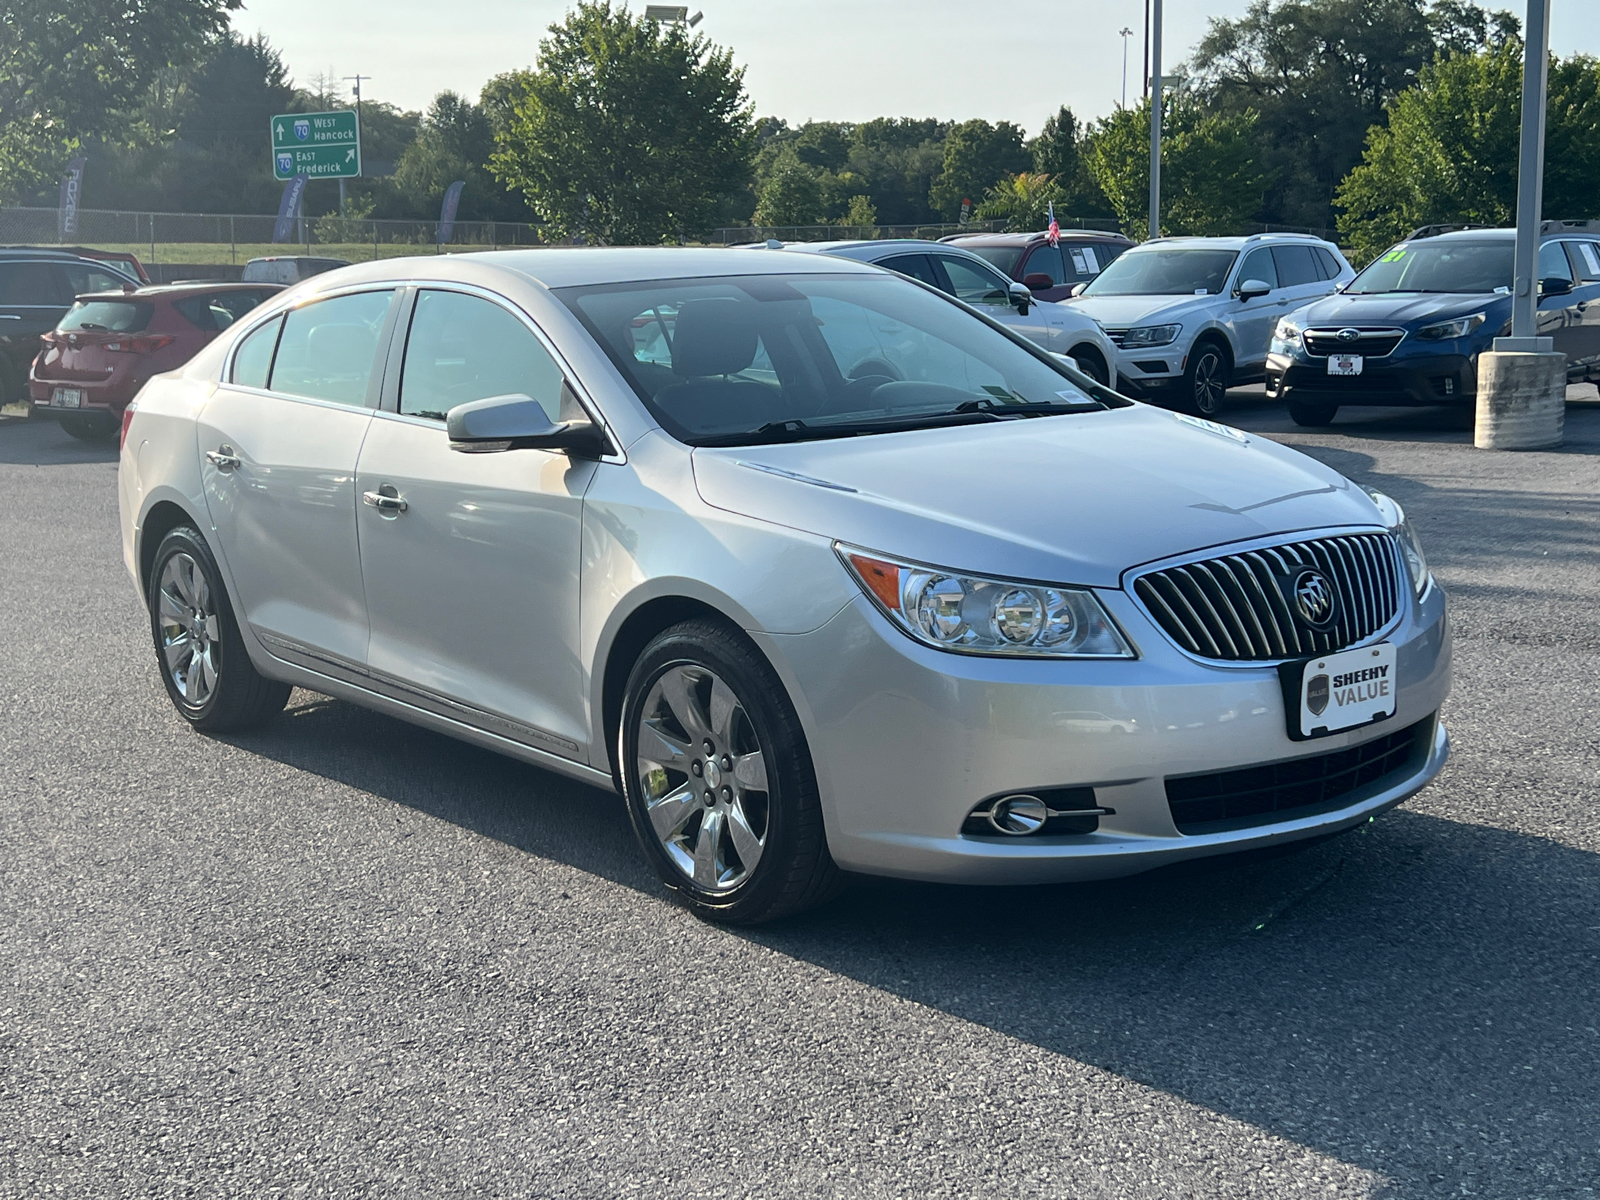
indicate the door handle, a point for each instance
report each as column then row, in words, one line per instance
column 223, row 457
column 9, row 317
column 385, row 501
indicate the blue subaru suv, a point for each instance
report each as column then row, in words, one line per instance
column 1408, row 330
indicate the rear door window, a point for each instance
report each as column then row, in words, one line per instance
column 1085, row 262
column 329, row 348
column 108, row 316
column 252, row 361
column 33, row 285
column 1045, row 260
column 217, row 311
column 1296, row 265
column 462, row 348
column 915, row 265
column 83, row 279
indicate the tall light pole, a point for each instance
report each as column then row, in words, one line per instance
column 1155, row 118
column 1125, row 33
column 358, row 79
column 1530, row 176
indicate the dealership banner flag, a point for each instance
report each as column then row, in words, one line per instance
column 288, row 209
column 71, row 192
column 447, row 210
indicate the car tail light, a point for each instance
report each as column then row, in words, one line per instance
column 127, row 419
column 143, row 344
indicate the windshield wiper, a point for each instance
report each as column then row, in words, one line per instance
column 1028, row 408
column 799, row 431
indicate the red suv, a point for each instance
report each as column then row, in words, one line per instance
column 101, row 353
column 1050, row 272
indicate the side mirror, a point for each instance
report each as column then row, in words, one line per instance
column 1037, row 281
column 1555, row 286
column 1077, row 288
column 519, row 422
column 1251, row 288
column 1021, row 297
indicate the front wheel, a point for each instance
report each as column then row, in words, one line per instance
column 1205, row 380
column 718, row 778
column 1311, row 415
column 204, row 664
column 1091, row 364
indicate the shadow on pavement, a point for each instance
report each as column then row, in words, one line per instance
column 41, row 442
column 1419, row 998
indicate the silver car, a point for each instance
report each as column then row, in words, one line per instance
column 818, row 569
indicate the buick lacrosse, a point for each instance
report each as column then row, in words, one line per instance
column 819, row 568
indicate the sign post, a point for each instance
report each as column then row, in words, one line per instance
column 325, row 145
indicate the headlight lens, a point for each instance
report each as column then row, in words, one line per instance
column 1449, row 330
column 1151, row 335
column 1410, row 546
column 971, row 614
column 1285, row 337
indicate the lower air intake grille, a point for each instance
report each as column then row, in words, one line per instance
column 1299, row 787
column 1234, row 608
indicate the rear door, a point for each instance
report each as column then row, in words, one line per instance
column 34, row 296
column 1300, row 275
column 280, row 439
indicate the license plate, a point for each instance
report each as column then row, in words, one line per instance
column 1339, row 691
column 66, row 398
column 1344, row 364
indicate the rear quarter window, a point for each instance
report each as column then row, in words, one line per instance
column 111, row 316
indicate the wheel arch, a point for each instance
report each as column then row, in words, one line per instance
column 1087, row 348
column 1218, row 337
column 162, row 518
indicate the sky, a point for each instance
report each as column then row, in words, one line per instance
column 834, row 60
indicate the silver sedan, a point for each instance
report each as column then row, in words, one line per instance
column 818, row 569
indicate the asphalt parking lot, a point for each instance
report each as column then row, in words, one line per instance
column 346, row 957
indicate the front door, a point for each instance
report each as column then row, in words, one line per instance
column 1253, row 320
column 1585, row 257
column 279, row 442
column 470, row 561
column 981, row 286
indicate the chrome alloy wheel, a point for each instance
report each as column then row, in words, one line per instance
column 1209, row 385
column 189, row 628
column 701, row 772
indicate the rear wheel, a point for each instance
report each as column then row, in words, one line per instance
column 203, row 662
column 1205, row 380
column 90, row 427
column 718, row 778
column 1310, row 414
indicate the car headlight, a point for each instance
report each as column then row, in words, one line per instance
column 971, row 614
column 1406, row 537
column 1285, row 337
column 1151, row 335
column 1446, row 331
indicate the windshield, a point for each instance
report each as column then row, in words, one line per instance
column 114, row 316
column 1165, row 271
column 744, row 359
column 1002, row 257
column 1440, row 267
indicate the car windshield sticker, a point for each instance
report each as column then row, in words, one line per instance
column 1393, row 256
column 1227, row 431
column 1080, row 263
column 1092, row 260
column 1590, row 258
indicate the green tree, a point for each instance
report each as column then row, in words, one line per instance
column 1449, row 149
column 898, row 159
column 791, row 195
column 628, row 130
column 1022, row 201
column 1212, row 179
column 861, row 213
column 1055, row 150
column 455, row 141
column 1319, row 73
column 71, row 71
column 977, row 155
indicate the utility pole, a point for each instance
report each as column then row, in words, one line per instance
column 1146, row 91
column 358, row 79
column 1155, row 121
column 1124, row 33
column 1530, row 174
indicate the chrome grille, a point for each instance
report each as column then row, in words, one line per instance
column 1116, row 336
column 1233, row 609
column 1369, row 343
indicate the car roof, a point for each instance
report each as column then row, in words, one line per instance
column 195, row 286
column 1025, row 239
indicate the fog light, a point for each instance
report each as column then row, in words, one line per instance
column 1019, row 815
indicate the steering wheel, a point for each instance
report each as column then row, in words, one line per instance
column 869, row 367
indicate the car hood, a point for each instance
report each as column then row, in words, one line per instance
column 1068, row 499
column 1124, row 312
column 1401, row 309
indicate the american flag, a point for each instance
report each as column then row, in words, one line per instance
column 1055, row 230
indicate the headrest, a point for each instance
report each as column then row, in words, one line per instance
column 352, row 342
column 713, row 337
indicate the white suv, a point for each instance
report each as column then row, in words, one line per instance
column 1193, row 316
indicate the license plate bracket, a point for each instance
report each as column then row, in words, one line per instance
column 1345, row 364
column 66, row 398
column 1334, row 693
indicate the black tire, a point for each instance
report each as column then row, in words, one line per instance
column 1091, row 364
column 1310, row 414
column 90, row 427
column 238, row 696
column 794, row 870
column 1205, row 380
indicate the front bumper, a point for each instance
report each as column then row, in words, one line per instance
column 1415, row 379
column 907, row 740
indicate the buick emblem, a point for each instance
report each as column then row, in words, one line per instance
column 1314, row 600
column 1348, row 335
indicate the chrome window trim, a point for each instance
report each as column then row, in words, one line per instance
column 1407, row 593
column 279, row 313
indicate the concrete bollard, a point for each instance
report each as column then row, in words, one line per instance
column 1522, row 400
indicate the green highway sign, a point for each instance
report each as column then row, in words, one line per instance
column 324, row 145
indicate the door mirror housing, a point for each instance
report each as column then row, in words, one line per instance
column 1555, row 286
column 1021, row 297
column 519, row 422
column 1252, row 288
column 1077, row 288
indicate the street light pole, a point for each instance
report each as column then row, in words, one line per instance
column 1155, row 118
column 1530, row 179
column 358, row 79
column 1125, row 33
